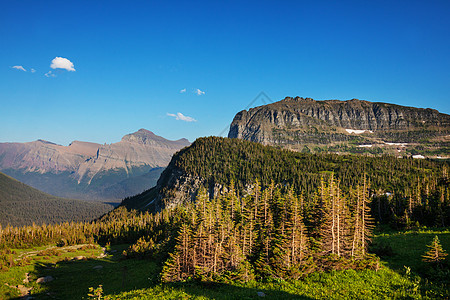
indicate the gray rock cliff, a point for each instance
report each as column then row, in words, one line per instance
column 299, row 121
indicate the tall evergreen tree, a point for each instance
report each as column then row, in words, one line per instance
column 435, row 254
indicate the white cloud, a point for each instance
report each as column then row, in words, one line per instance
column 62, row 63
column 33, row 70
column 199, row 92
column 183, row 91
column 19, row 68
column 49, row 74
column 180, row 116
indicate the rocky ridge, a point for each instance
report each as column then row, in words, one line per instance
column 70, row 171
column 296, row 122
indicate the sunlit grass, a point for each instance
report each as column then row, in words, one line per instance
column 402, row 275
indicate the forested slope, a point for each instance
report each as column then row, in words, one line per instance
column 22, row 205
column 398, row 183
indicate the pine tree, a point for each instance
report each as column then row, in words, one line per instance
column 335, row 229
column 179, row 265
column 289, row 248
column 366, row 219
column 362, row 222
column 436, row 254
column 266, row 240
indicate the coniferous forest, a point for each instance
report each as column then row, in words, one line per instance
column 270, row 233
column 22, row 205
column 404, row 191
column 264, row 235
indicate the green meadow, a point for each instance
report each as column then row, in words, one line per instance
column 76, row 269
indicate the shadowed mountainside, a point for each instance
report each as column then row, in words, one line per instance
column 22, row 205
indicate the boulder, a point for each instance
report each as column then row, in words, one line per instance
column 45, row 279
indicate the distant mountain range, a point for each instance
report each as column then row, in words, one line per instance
column 353, row 126
column 22, row 205
column 91, row 171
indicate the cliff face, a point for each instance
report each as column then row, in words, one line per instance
column 201, row 165
column 299, row 121
column 75, row 170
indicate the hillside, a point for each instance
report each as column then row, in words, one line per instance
column 108, row 267
column 263, row 220
column 23, row 205
column 215, row 163
column 90, row 171
column 227, row 247
column 353, row 126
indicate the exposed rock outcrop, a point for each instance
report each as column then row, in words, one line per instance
column 44, row 279
column 300, row 121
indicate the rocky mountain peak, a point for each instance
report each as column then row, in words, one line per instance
column 45, row 142
column 297, row 99
column 146, row 137
column 144, row 131
column 295, row 122
column 142, row 136
column 82, row 164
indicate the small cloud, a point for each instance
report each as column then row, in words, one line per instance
column 49, row 74
column 62, row 63
column 199, row 92
column 19, row 68
column 183, row 91
column 180, row 116
column 33, row 70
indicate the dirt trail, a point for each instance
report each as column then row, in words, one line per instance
column 32, row 253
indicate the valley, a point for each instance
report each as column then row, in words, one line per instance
column 230, row 218
column 401, row 275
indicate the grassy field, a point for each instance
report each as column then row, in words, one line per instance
column 402, row 275
column 409, row 246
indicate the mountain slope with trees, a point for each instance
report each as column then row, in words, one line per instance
column 22, row 205
column 404, row 189
column 232, row 211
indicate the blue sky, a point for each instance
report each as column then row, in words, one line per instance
column 132, row 59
